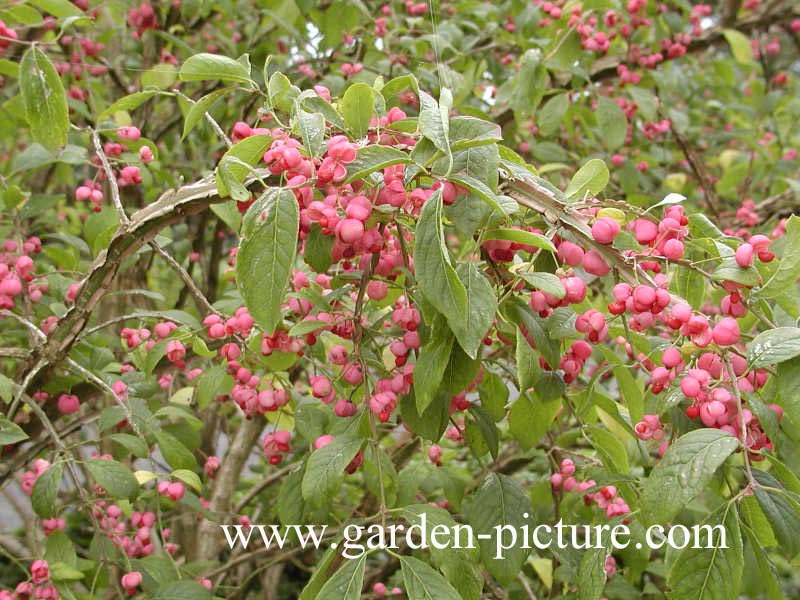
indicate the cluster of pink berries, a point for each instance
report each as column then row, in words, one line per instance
column 17, row 272
column 650, row 428
column 381, row 591
column 173, row 490
column 276, row 445
column 38, row 586
column 29, row 478
column 605, row 498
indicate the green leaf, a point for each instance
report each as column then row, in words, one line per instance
column 710, row 573
column 527, row 362
column 240, row 159
column 432, row 362
column 768, row 580
column 312, row 131
column 59, row 548
column 161, row 76
column 325, row 469
column 374, row 158
column 591, row 177
column 131, row 443
column 460, row 372
column 423, row 582
column 282, row 94
column 58, row 8
column 10, row 432
column 493, row 394
column 592, row 574
column 290, row 497
column 646, row 102
column 756, row 520
column 530, row 418
column 740, row 46
column 781, row 510
column 44, row 99
column 700, row 226
column 175, row 453
column 774, row 346
column 115, row 478
column 498, row 507
column 689, row 285
column 209, row 384
column 482, row 427
column 317, row 104
column 546, row 282
column 357, row 107
column 784, row 279
column 267, row 255
column 321, row 574
column 45, row 490
column 685, row 471
column 435, row 274
column 431, row 423
column 549, row 118
column 318, row 249
column 181, row 590
column 60, row 571
column 205, row 66
column 786, row 476
column 729, row 270
column 612, row 121
column 346, row 583
column 468, row 132
column 529, row 84
column 480, row 309
column 457, row 564
column 190, row 478
column 380, row 474
column 628, row 386
column 610, row 448
column 127, row 103
column 498, row 203
column 200, row 108
column 434, row 119
column 9, row 68
column 529, row 238
column 517, row 310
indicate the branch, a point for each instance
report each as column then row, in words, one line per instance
column 700, row 172
column 203, row 305
column 538, row 195
column 112, row 180
column 230, row 470
column 173, row 206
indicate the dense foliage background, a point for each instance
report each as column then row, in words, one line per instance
column 500, row 263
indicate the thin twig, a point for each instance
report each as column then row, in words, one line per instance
column 261, row 486
column 14, row 353
column 112, row 180
column 199, row 298
column 23, row 321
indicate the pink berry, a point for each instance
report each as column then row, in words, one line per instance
column 349, row 231
column 671, row 358
column 68, row 404
column 175, row 491
column 726, row 332
column 744, row 255
column 604, row 230
column 377, row 289
column 673, row 249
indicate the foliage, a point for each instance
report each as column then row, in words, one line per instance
column 485, row 264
